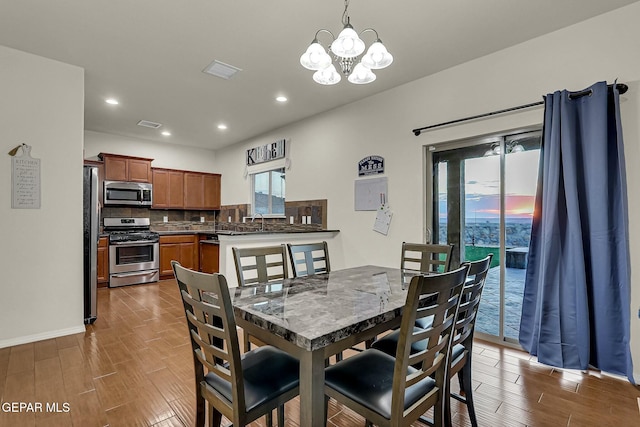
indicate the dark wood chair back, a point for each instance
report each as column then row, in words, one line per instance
column 442, row 293
column 269, row 377
column 309, row 258
column 426, row 258
column 415, row 380
column 214, row 338
column 471, row 295
column 462, row 342
column 260, row 265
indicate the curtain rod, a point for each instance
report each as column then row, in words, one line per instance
column 622, row 88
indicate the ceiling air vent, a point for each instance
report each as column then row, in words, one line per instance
column 220, row 69
column 148, row 124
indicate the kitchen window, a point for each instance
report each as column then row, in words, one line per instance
column 267, row 192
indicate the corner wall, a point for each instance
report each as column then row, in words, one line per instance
column 41, row 291
column 325, row 149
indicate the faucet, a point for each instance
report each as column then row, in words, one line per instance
column 262, row 217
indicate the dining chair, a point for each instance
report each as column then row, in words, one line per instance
column 396, row 391
column 462, row 341
column 309, row 258
column 426, row 257
column 244, row 387
column 259, row 265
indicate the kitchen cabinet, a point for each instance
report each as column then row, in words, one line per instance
column 201, row 191
column 211, row 191
column 180, row 247
column 103, row 262
column 209, row 256
column 126, row 168
column 168, row 188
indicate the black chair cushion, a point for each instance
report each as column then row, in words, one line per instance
column 456, row 353
column 367, row 378
column 389, row 343
column 268, row 372
column 424, row 322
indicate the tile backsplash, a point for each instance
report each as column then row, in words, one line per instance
column 300, row 211
column 315, row 210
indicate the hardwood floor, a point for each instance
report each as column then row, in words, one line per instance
column 133, row 367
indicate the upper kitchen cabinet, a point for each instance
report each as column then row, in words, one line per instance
column 126, row 168
column 168, row 188
column 211, row 191
column 201, row 191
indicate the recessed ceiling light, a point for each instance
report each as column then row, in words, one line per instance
column 112, row 101
column 281, row 98
column 166, row 133
column 222, row 126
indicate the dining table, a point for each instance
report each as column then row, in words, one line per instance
column 317, row 316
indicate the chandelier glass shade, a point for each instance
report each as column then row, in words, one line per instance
column 327, row 76
column 315, row 58
column 346, row 50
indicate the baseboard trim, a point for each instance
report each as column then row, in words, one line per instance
column 42, row 336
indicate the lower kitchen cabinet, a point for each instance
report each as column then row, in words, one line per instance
column 180, row 247
column 209, row 256
column 103, row 262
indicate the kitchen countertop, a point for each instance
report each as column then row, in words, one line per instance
column 172, row 232
column 240, row 233
column 258, row 233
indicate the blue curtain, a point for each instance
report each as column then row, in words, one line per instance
column 575, row 310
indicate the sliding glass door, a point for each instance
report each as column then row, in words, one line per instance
column 482, row 193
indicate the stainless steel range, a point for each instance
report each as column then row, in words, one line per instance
column 134, row 251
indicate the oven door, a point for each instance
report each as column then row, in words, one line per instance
column 126, row 257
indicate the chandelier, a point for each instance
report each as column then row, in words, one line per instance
column 345, row 49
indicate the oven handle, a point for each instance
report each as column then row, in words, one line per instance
column 135, row 273
column 133, row 243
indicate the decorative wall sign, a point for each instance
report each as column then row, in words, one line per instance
column 371, row 165
column 266, row 153
column 25, row 180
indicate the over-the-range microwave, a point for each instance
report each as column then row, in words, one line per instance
column 127, row 193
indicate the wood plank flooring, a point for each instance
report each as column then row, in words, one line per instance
column 133, row 367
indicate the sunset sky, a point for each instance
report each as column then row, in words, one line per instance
column 483, row 186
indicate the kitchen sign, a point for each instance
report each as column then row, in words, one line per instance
column 25, row 179
column 266, row 153
column 371, row 165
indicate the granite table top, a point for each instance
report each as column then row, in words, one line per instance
column 315, row 311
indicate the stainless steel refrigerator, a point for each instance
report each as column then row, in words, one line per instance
column 91, row 223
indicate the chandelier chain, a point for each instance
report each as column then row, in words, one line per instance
column 345, row 14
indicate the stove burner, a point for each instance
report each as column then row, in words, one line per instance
column 123, row 230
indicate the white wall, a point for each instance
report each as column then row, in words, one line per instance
column 325, row 149
column 164, row 155
column 41, row 291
